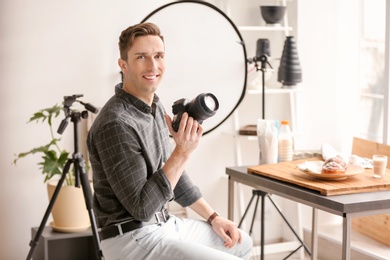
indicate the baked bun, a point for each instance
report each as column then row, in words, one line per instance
column 334, row 165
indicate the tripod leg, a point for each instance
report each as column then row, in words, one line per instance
column 246, row 211
column 34, row 242
column 80, row 169
column 289, row 225
column 254, row 214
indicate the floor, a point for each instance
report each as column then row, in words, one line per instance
column 281, row 256
column 329, row 246
column 362, row 246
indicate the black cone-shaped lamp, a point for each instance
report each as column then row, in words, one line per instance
column 290, row 71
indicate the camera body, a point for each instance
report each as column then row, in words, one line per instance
column 200, row 108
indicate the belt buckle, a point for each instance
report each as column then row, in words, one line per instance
column 162, row 216
column 119, row 226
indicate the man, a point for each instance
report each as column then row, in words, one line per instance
column 136, row 172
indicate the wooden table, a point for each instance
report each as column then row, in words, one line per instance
column 273, row 178
column 288, row 172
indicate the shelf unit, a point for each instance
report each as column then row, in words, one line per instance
column 291, row 92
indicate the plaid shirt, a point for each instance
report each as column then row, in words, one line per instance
column 128, row 144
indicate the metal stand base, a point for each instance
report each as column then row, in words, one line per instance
column 262, row 194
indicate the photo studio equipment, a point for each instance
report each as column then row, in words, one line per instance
column 215, row 59
column 202, row 58
column 263, row 52
column 205, row 105
column 290, row 71
column 81, row 176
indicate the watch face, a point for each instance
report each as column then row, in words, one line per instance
column 204, row 53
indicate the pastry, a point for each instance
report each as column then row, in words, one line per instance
column 334, row 165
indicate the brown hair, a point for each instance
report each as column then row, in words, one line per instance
column 126, row 39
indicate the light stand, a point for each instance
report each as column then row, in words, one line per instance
column 263, row 194
column 262, row 54
column 80, row 174
column 264, row 61
column 263, row 51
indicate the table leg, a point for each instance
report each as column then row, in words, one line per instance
column 262, row 226
column 314, row 235
column 346, row 254
column 231, row 199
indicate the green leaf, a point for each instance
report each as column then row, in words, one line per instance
column 46, row 113
column 52, row 164
column 41, row 149
column 53, row 158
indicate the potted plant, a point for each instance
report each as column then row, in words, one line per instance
column 53, row 157
column 70, row 199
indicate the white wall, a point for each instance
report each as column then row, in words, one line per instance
column 50, row 49
column 54, row 48
column 328, row 44
column 328, row 41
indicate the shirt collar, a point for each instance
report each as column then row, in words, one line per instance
column 138, row 103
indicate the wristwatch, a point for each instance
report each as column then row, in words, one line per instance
column 212, row 217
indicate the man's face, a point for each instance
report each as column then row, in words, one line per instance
column 144, row 67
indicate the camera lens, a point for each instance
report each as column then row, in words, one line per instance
column 200, row 108
column 203, row 106
column 210, row 102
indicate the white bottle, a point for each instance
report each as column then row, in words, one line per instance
column 285, row 142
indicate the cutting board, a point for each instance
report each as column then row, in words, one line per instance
column 288, row 172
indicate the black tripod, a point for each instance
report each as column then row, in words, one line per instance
column 80, row 174
column 262, row 194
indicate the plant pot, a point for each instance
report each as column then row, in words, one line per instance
column 69, row 212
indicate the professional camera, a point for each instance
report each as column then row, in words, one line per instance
column 205, row 105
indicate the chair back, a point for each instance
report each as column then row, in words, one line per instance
column 367, row 149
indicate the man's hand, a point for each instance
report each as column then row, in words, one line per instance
column 227, row 230
column 188, row 135
column 187, row 139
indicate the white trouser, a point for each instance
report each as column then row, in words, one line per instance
column 178, row 238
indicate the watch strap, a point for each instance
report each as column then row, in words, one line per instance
column 212, row 217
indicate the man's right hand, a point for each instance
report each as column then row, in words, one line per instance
column 187, row 139
column 188, row 135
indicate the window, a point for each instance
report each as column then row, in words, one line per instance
column 372, row 81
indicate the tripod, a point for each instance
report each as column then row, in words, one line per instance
column 80, row 176
column 262, row 194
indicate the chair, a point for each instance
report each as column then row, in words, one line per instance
column 377, row 226
column 367, row 149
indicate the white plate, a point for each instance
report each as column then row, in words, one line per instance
column 313, row 168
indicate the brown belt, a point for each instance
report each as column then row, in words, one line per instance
column 122, row 228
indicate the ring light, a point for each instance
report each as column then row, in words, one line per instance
column 204, row 53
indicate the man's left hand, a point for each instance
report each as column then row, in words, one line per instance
column 227, row 230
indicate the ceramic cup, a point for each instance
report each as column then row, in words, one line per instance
column 380, row 164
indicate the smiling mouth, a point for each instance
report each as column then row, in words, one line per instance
column 151, row 77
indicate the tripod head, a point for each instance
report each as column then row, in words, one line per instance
column 75, row 116
column 263, row 60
